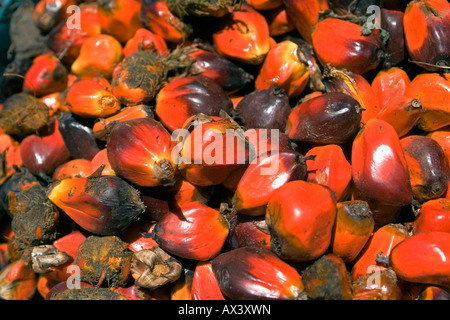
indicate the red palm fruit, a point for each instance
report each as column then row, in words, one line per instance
column 89, row 99
column 353, row 228
column 442, row 137
column 283, row 68
column 55, row 102
column 187, row 97
column 226, row 73
column 144, row 39
column 99, row 55
column 402, row 113
column 156, row 199
column 210, row 150
column 328, row 279
column 243, row 36
column 265, row 4
column 434, row 215
column 102, row 205
column 182, row 289
column 157, row 17
column 48, row 13
column 332, row 117
column 4, row 256
column 46, row 151
column 76, row 168
column 300, row 224
column 305, row 15
column 257, row 273
column 249, row 231
column 17, row 281
column 262, row 141
column 381, row 285
column 102, row 126
column 355, row 86
column 204, row 283
column 434, row 293
column 136, row 236
column 279, row 21
column 120, row 18
column 428, row 167
column 195, row 232
column 426, row 27
column 392, row 22
column 232, row 181
column 352, row 50
column 327, row 165
column 382, row 241
column 265, row 109
column 263, row 177
column 46, row 75
column 388, row 84
column 423, row 258
column 379, row 167
column 101, row 159
column 10, row 149
column 66, row 41
column 44, row 285
column 140, row 150
column 184, row 192
column 433, row 90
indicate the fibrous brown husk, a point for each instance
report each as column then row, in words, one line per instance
column 202, row 8
column 23, row 114
column 35, row 219
column 88, row 293
column 104, row 260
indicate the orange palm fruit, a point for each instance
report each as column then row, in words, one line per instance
column 103, row 205
column 186, row 97
column 46, row 75
column 144, row 39
column 434, row 293
column 101, row 159
column 99, row 55
column 120, row 18
column 257, row 274
column 402, row 113
column 428, row 167
column 66, row 41
column 442, row 137
column 48, row 13
column 46, row 151
column 301, row 225
column 140, row 150
column 263, row 177
column 210, row 149
column 10, row 148
column 352, row 50
column 182, row 289
column 55, row 102
column 388, row 84
column 101, row 127
column 89, row 99
column 434, row 215
column 226, row 73
column 423, row 258
column 353, row 228
column 265, row 4
column 379, row 167
column 305, row 15
column 332, row 117
column 355, row 86
column 327, row 278
column 279, row 21
column 196, row 232
column 17, row 281
column 75, row 168
column 426, row 27
column 243, row 36
column 382, row 241
column 157, row 17
column 249, row 231
column 44, row 284
column 184, row 192
column 379, row 286
column 204, row 283
column 328, row 166
column 283, row 68
column 433, row 91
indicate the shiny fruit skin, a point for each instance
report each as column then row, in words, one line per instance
column 434, row 215
column 388, row 84
column 204, row 283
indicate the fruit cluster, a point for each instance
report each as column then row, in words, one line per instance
column 226, row 150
